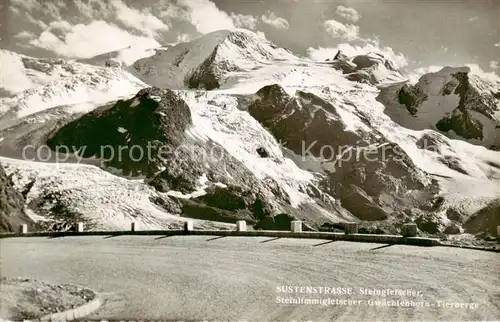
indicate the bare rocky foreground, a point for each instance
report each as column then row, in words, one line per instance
column 23, row 299
column 209, row 277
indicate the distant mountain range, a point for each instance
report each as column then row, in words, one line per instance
column 238, row 128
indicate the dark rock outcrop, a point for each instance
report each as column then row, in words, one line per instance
column 472, row 118
column 485, row 221
column 432, row 141
column 360, row 204
column 370, row 182
column 12, row 213
column 340, row 55
column 361, row 76
column 452, row 229
column 429, row 223
column 209, row 74
column 146, row 136
column 130, row 135
column 278, row 222
column 411, row 97
column 58, row 212
column 47, row 65
column 112, row 63
column 196, row 210
column 310, row 121
column 366, row 61
column 227, row 204
column 370, row 68
column 455, row 215
column 462, row 123
column 453, row 163
column 262, row 152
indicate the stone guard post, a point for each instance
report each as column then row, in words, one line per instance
column 351, row 228
column 409, row 230
column 188, row 226
column 241, row 225
column 296, row 226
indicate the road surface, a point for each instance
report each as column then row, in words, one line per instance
column 244, row 278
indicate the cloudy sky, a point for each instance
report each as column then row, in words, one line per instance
column 415, row 34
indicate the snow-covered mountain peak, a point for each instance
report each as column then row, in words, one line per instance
column 270, row 134
column 251, row 46
column 443, row 82
column 204, row 62
column 33, row 85
column 371, row 68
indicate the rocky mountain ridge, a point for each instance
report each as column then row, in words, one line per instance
column 468, row 105
column 258, row 107
column 371, row 68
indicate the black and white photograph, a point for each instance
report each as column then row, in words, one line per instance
column 249, row 160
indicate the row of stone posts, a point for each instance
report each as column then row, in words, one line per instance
column 24, row 228
column 408, row 230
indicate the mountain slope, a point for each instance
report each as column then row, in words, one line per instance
column 259, row 109
column 42, row 84
column 454, row 101
column 204, row 62
column 371, row 68
column 122, row 57
column 155, row 137
column 12, row 213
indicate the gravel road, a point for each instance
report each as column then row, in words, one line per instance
column 242, row 278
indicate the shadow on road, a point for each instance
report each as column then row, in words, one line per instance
column 162, row 237
column 269, row 240
column 324, row 243
column 111, row 236
column 384, row 246
column 216, row 238
column 56, row 236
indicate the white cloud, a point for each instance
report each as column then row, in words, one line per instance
column 60, row 26
column 497, row 44
column 348, row 13
column 261, row 35
column 415, row 75
column 52, row 8
column 173, row 11
column 183, row 37
column 475, row 69
column 339, row 30
column 205, row 16
column 90, row 8
column 46, row 7
column 321, row 53
column 28, row 16
column 25, row 35
column 90, row 31
column 277, row 22
column 13, row 77
column 472, row 19
column 494, row 64
column 142, row 21
column 80, row 40
column 244, row 21
column 399, row 59
column 30, row 5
